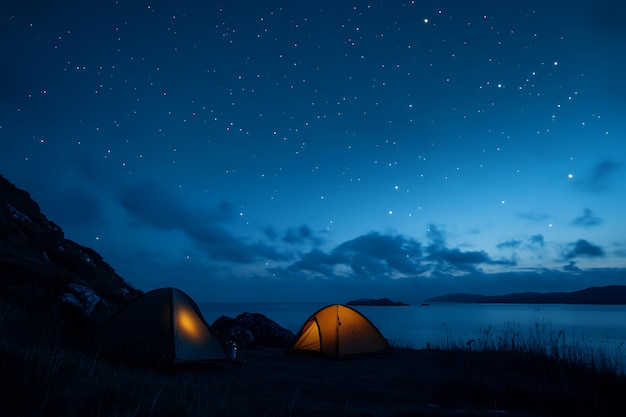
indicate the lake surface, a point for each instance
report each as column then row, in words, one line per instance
column 600, row 329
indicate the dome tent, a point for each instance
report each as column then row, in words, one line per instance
column 161, row 327
column 337, row 331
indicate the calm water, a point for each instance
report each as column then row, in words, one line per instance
column 602, row 328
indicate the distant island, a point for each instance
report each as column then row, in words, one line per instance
column 375, row 302
column 612, row 294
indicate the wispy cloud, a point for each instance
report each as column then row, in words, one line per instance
column 534, row 216
column 533, row 243
column 587, row 219
column 153, row 205
column 600, row 178
column 301, row 235
column 510, row 244
column 77, row 208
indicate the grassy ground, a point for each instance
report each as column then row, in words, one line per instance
column 42, row 375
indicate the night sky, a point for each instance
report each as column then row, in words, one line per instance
column 329, row 150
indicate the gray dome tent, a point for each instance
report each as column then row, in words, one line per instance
column 163, row 327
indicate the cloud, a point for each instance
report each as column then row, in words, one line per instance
column 620, row 251
column 384, row 256
column 270, row 233
column 582, row 248
column 220, row 244
column 534, row 216
column 75, row 209
column 453, row 259
column 379, row 254
column 600, row 177
column 457, row 257
column 571, row 267
column 374, row 256
column 156, row 207
column 163, row 210
column 317, row 261
column 513, row 244
column 537, row 240
column 532, row 247
column 587, row 219
column 536, row 246
column 302, row 235
column 436, row 236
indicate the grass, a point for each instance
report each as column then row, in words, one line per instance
column 58, row 381
column 44, row 372
column 541, row 340
column 539, row 365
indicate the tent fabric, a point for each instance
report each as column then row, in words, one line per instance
column 338, row 330
column 163, row 326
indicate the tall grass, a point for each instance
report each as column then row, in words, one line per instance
column 541, row 340
column 41, row 374
column 538, row 368
column 65, row 382
column 401, row 342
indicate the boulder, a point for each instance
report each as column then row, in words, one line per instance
column 253, row 330
column 82, row 297
column 375, row 302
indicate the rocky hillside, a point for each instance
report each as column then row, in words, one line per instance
column 42, row 270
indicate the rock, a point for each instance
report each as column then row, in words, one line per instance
column 42, row 271
column 70, row 299
column 16, row 214
column 82, row 297
column 253, row 330
column 375, row 302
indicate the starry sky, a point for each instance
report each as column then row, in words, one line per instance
column 328, row 150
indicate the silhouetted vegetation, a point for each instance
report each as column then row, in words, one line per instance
column 45, row 372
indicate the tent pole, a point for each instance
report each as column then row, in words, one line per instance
column 337, row 338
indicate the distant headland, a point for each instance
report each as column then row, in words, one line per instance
column 612, row 294
column 375, row 302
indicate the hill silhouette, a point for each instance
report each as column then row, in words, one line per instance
column 612, row 294
column 42, row 270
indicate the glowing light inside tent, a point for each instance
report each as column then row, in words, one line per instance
column 188, row 323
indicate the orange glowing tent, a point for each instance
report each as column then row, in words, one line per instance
column 338, row 330
column 163, row 327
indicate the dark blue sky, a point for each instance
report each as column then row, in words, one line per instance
column 323, row 151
